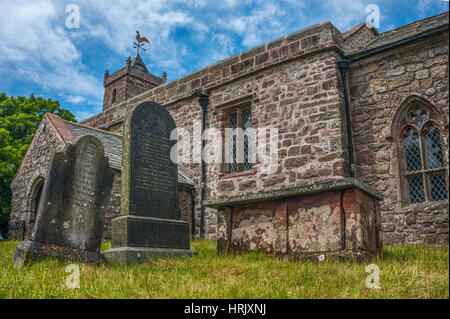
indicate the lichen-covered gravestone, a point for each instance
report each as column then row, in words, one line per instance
column 71, row 214
column 150, row 223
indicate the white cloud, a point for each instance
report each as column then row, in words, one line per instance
column 345, row 14
column 82, row 115
column 75, row 99
column 423, row 6
column 154, row 19
column 35, row 47
column 231, row 3
column 262, row 22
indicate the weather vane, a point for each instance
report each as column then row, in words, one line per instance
column 140, row 42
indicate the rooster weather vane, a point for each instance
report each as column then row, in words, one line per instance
column 140, row 42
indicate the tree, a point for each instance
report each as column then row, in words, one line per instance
column 19, row 119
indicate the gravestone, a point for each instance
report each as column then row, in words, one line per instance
column 150, row 223
column 71, row 213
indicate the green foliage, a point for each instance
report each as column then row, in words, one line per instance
column 405, row 272
column 19, row 119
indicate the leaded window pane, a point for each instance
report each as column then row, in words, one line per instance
column 438, row 187
column 416, row 191
column 433, row 149
column 247, row 124
column 412, row 152
column 233, row 141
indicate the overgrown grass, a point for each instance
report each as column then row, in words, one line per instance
column 406, row 272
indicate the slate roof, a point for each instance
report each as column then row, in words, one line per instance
column 113, row 146
column 407, row 31
column 111, row 142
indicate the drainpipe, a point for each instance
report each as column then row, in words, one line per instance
column 343, row 68
column 203, row 100
column 193, row 192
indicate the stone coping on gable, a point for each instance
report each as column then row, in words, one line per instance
column 439, row 22
column 340, row 184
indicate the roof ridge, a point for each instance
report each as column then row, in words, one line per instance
column 401, row 28
column 58, row 123
column 414, row 22
column 94, row 129
column 352, row 31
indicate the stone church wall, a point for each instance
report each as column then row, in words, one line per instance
column 32, row 171
column 379, row 86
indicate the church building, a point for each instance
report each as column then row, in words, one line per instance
column 358, row 110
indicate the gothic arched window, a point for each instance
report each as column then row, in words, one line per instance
column 421, row 162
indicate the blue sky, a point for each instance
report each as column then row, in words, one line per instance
column 40, row 55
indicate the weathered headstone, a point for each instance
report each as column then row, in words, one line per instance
column 71, row 214
column 150, row 223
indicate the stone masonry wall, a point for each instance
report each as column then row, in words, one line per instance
column 333, row 223
column 185, row 202
column 33, row 167
column 295, row 87
column 379, row 86
column 120, row 86
column 128, row 82
column 113, row 210
column 302, row 100
column 357, row 38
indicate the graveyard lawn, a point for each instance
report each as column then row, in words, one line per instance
column 406, row 272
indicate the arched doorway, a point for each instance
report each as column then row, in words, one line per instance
column 35, row 197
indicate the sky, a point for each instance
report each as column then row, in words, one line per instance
column 46, row 50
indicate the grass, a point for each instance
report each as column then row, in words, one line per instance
column 406, row 272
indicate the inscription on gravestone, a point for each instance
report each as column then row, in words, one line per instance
column 154, row 191
column 71, row 214
column 150, row 223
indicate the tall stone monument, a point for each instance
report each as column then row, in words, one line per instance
column 71, row 214
column 150, row 223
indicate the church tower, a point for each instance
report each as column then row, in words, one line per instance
column 131, row 80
